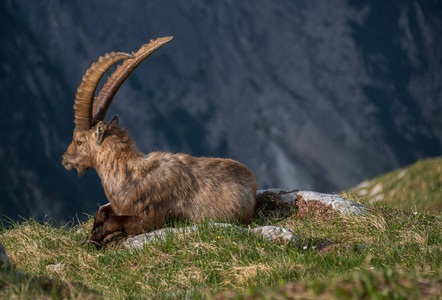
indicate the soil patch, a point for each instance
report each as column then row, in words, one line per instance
column 315, row 210
column 270, row 206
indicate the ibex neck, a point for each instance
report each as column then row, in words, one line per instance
column 115, row 169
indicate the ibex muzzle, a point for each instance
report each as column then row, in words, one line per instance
column 143, row 190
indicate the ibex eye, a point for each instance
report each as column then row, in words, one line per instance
column 79, row 143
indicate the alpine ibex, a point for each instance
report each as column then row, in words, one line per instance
column 143, row 190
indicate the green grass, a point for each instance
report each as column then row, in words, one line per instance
column 416, row 187
column 386, row 254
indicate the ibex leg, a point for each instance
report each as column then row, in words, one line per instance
column 102, row 214
column 127, row 224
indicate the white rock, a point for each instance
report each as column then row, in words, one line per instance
column 337, row 202
column 401, row 174
column 362, row 192
column 56, row 267
column 138, row 241
column 376, row 189
column 363, row 184
column 274, row 232
column 377, row 198
column 269, row 232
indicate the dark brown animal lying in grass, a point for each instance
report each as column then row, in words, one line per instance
column 145, row 189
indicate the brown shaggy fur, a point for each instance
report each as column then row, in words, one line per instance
column 144, row 190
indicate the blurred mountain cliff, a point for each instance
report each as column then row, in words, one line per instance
column 307, row 94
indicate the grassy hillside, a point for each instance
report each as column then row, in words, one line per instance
column 385, row 254
column 414, row 188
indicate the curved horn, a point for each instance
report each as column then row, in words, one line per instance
column 86, row 90
column 113, row 84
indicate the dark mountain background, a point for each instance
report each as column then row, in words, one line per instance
column 308, row 94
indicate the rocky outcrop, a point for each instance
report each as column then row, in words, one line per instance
column 337, row 203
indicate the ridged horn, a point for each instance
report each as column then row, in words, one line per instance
column 86, row 90
column 113, row 84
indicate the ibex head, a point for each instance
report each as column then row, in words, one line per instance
column 89, row 114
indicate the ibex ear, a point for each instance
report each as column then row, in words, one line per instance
column 99, row 131
column 116, row 121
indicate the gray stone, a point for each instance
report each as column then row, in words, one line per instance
column 338, row 203
column 271, row 233
column 4, row 259
column 138, row 241
column 56, row 267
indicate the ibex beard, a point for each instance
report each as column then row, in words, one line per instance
column 144, row 190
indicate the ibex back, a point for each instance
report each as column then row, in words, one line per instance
column 143, row 190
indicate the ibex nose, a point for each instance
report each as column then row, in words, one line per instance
column 66, row 163
column 63, row 160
